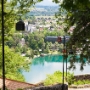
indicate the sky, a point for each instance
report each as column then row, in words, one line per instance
column 47, row 3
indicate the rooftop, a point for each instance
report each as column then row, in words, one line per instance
column 14, row 85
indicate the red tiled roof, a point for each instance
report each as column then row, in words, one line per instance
column 14, row 85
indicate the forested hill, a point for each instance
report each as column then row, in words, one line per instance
column 44, row 10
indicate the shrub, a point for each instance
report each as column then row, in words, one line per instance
column 70, row 78
column 56, row 77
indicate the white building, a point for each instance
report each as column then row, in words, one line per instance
column 29, row 27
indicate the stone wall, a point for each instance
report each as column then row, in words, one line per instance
column 52, row 87
column 82, row 77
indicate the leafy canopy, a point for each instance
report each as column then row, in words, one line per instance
column 77, row 24
column 13, row 10
column 14, row 63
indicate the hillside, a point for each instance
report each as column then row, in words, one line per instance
column 44, row 11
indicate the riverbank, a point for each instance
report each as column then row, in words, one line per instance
column 55, row 52
column 50, row 53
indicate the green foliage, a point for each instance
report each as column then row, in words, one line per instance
column 55, row 33
column 77, row 24
column 56, row 77
column 14, row 40
column 30, row 53
column 70, row 78
column 35, row 41
column 36, row 52
column 13, row 9
column 13, row 64
column 81, row 82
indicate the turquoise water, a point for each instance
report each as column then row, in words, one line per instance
column 41, row 66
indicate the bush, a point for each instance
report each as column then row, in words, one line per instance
column 81, row 82
column 54, row 78
column 57, row 78
column 70, row 78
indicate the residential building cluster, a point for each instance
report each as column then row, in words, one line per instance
column 42, row 23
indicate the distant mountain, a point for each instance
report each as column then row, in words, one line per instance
column 44, row 10
column 45, row 6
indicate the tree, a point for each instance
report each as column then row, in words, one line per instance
column 77, row 18
column 14, row 64
column 12, row 11
column 30, row 53
column 14, row 40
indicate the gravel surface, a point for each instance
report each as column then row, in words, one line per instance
column 78, row 88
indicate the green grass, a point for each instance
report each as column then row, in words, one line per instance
column 81, row 82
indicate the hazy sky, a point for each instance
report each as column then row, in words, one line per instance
column 47, row 3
